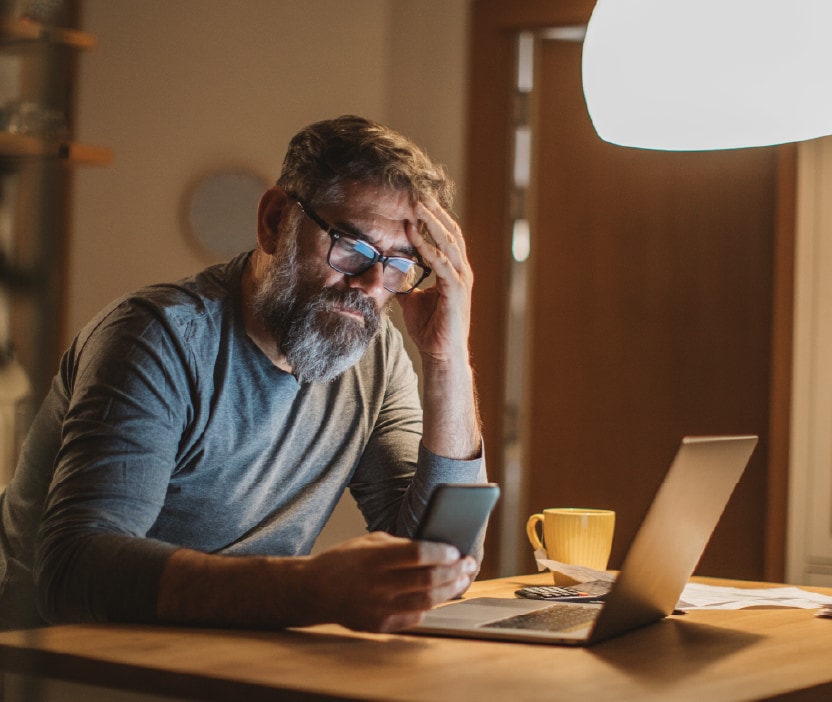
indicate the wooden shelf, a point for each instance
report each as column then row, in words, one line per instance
column 25, row 146
column 40, row 170
column 16, row 31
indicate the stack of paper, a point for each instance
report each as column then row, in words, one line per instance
column 699, row 596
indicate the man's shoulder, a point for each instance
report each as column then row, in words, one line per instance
column 387, row 355
column 200, row 301
column 205, row 292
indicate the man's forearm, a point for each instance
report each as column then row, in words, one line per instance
column 245, row 591
column 375, row 582
column 451, row 423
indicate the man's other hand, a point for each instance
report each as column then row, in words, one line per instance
column 383, row 583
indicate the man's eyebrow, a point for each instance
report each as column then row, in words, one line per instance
column 408, row 251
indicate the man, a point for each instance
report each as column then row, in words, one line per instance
column 199, row 435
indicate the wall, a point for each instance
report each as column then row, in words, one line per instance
column 179, row 88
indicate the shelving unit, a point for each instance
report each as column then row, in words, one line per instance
column 15, row 30
column 74, row 154
column 38, row 155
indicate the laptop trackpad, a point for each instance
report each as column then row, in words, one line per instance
column 480, row 611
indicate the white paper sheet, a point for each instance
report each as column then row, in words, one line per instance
column 700, row 596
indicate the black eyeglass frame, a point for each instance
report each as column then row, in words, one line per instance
column 378, row 257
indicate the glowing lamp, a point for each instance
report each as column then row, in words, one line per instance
column 698, row 75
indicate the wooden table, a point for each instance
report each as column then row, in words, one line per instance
column 704, row 656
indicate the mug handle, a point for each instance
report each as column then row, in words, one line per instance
column 531, row 531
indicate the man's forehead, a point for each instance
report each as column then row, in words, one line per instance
column 364, row 201
column 376, row 214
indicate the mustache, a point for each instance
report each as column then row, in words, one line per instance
column 329, row 299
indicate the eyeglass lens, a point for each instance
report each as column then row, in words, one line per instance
column 354, row 257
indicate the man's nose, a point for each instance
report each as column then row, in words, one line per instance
column 370, row 281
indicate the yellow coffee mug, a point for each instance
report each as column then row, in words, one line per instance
column 574, row 535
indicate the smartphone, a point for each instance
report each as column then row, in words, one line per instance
column 456, row 513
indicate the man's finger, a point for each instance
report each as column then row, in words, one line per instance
column 436, row 553
column 442, row 239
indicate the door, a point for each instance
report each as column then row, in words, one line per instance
column 650, row 314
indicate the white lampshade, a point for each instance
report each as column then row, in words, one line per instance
column 693, row 75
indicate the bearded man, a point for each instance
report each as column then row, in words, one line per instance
column 199, row 435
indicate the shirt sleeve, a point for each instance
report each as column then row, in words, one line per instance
column 125, row 384
column 397, row 474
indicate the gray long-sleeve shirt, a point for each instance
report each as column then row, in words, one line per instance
column 166, row 427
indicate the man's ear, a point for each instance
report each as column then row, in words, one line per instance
column 273, row 207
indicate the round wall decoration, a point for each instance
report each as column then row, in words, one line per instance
column 222, row 211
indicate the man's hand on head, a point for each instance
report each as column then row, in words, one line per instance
column 438, row 319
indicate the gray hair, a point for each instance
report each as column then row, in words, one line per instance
column 325, row 155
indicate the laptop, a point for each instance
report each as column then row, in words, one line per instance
column 658, row 564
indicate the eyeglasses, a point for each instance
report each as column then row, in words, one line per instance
column 352, row 256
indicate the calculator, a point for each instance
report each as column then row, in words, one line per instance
column 557, row 593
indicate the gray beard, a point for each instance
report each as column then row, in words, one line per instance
column 319, row 342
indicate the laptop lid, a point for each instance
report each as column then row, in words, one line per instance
column 658, row 564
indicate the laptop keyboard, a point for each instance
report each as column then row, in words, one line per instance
column 558, row 617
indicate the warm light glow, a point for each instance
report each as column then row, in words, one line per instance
column 692, row 75
column 521, row 240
